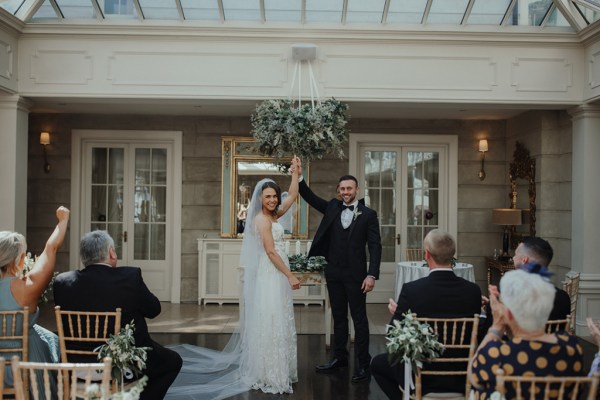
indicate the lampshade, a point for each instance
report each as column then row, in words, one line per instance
column 45, row 138
column 506, row 216
column 483, row 145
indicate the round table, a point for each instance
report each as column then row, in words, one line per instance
column 408, row 271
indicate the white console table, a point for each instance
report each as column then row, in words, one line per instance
column 219, row 273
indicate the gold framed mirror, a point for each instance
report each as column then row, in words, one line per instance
column 522, row 190
column 242, row 168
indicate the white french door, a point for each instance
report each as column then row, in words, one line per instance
column 408, row 184
column 127, row 188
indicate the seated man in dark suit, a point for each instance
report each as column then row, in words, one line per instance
column 538, row 251
column 532, row 250
column 101, row 286
column 442, row 294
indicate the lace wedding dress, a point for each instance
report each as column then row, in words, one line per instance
column 261, row 353
column 272, row 343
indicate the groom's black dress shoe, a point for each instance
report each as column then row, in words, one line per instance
column 360, row 374
column 334, row 363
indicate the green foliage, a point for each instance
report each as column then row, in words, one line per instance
column 125, row 355
column 409, row 340
column 302, row 263
column 282, row 130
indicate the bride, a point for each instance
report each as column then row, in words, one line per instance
column 261, row 353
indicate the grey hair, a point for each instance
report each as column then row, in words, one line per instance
column 94, row 247
column 529, row 297
column 12, row 247
column 441, row 246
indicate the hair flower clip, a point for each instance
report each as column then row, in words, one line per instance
column 535, row 268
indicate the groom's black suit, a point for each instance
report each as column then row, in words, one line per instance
column 345, row 251
column 100, row 287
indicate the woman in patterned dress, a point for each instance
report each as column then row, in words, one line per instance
column 521, row 310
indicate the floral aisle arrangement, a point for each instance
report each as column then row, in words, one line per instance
column 413, row 343
column 307, row 269
column 127, row 359
column 28, row 265
column 282, row 129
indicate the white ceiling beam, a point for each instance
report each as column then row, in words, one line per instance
column 28, row 9
column 303, row 12
column 180, row 10
column 467, row 13
column 138, row 7
column 97, row 10
column 571, row 14
column 426, row 12
column 344, row 12
column 57, row 9
column 221, row 10
column 386, row 10
column 263, row 14
column 508, row 13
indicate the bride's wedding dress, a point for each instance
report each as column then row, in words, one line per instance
column 261, row 353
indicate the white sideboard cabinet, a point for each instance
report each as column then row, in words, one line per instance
column 219, row 273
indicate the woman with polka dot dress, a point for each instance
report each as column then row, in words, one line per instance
column 521, row 312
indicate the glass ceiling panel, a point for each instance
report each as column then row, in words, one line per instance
column 589, row 14
column 529, row 12
column 241, row 10
column 45, row 12
column 118, row 9
column 557, row 19
column 324, row 11
column 488, row 12
column 76, row 9
column 283, row 10
column 365, row 11
column 449, row 12
column 11, row 5
column 200, row 10
column 159, row 9
column 406, row 11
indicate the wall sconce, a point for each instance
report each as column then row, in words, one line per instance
column 44, row 141
column 483, row 147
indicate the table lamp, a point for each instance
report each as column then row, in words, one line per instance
column 506, row 217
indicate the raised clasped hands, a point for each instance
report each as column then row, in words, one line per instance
column 296, row 166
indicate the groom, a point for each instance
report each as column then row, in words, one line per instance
column 348, row 226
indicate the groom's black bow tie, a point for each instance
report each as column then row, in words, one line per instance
column 344, row 207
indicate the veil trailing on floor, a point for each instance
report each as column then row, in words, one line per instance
column 213, row 374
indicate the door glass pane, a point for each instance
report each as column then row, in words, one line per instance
column 106, row 206
column 422, row 205
column 150, row 198
column 380, row 195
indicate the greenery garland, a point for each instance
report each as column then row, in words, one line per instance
column 281, row 129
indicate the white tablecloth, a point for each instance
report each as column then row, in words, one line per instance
column 408, row 271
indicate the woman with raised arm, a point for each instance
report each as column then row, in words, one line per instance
column 19, row 290
column 261, row 353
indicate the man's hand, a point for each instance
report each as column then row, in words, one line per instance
column 392, row 305
column 368, row 284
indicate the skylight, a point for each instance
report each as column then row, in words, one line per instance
column 391, row 13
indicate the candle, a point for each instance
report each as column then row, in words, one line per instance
column 298, row 251
column 308, row 244
column 287, row 247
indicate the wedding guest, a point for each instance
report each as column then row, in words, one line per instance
column 594, row 328
column 347, row 229
column 101, row 286
column 533, row 250
column 18, row 291
column 441, row 294
column 523, row 308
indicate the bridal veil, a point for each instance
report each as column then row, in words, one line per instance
column 213, row 374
